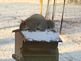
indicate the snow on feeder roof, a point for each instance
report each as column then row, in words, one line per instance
column 41, row 36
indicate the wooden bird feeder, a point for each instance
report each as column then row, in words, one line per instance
column 29, row 48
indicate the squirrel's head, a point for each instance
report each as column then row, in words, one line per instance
column 50, row 24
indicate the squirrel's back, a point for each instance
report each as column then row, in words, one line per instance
column 34, row 22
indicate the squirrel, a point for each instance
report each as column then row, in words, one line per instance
column 34, row 22
column 37, row 22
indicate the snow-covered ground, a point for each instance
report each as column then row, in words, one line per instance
column 10, row 18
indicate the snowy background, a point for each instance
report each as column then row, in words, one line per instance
column 10, row 18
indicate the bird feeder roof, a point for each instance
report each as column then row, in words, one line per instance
column 41, row 36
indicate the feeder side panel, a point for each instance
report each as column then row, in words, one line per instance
column 18, row 44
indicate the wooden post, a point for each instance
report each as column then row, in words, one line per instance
column 53, row 10
column 62, row 17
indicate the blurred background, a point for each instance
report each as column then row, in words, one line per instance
column 12, row 11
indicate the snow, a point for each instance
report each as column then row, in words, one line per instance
column 6, row 44
column 41, row 36
column 10, row 15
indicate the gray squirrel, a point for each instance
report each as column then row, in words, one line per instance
column 36, row 22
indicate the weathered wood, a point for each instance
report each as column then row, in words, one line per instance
column 26, row 50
